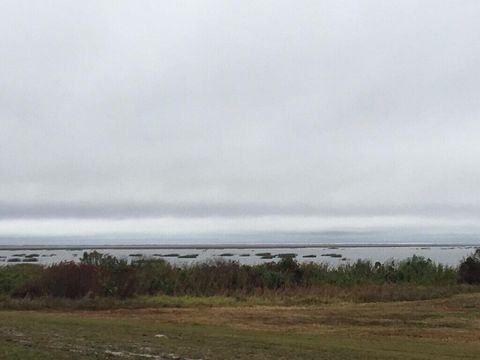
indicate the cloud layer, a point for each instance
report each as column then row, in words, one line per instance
column 311, row 111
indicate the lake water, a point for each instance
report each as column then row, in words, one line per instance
column 448, row 255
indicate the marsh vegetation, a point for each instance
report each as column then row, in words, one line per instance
column 98, row 275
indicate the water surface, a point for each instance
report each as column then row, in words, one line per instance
column 333, row 255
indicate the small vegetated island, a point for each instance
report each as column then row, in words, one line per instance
column 221, row 309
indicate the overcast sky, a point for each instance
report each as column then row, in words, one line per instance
column 158, row 117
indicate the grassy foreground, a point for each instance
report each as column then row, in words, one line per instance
column 447, row 328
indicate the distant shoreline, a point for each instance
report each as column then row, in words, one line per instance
column 229, row 246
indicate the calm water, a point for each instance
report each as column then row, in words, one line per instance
column 451, row 255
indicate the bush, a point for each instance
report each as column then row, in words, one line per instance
column 14, row 277
column 29, row 289
column 155, row 277
column 469, row 270
column 72, row 280
column 118, row 280
column 115, row 277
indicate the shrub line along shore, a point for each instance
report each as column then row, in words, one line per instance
column 100, row 276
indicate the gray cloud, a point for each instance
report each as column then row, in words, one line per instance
column 230, row 210
column 231, row 109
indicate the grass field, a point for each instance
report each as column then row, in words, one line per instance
column 431, row 329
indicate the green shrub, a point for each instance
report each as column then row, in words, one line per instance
column 14, row 277
column 70, row 280
column 469, row 270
